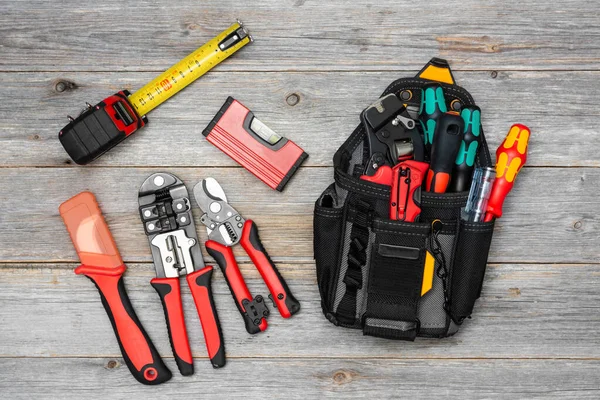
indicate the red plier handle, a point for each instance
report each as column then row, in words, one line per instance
column 254, row 317
column 281, row 295
column 199, row 283
column 139, row 353
column 170, row 295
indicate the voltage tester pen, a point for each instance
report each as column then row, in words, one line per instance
column 101, row 127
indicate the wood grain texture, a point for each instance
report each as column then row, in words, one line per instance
column 300, row 35
column 559, row 107
column 526, row 311
column 540, row 222
column 313, row 379
column 534, row 332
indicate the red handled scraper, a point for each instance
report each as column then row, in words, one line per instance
column 102, row 263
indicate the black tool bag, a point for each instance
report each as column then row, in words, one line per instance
column 370, row 268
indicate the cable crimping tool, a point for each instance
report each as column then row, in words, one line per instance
column 166, row 212
column 226, row 227
column 392, row 134
column 396, row 155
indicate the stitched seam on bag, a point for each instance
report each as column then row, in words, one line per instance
column 332, row 216
column 327, row 211
column 443, row 203
column 477, row 230
column 360, row 184
column 407, row 224
column 377, row 230
column 453, row 88
column 357, row 186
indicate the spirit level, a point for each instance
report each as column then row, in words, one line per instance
column 101, row 127
column 272, row 158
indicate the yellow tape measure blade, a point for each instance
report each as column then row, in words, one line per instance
column 192, row 67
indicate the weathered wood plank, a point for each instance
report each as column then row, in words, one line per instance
column 558, row 106
column 526, row 311
column 551, row 215
column 76, row 378
column 300, row 35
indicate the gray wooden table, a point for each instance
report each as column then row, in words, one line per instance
column 534, row 332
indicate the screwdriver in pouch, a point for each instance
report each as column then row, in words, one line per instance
column 433, row 106
column 462, row 172
column 510, row 158
column 446, row 142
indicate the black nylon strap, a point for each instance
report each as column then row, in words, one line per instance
column 357, row 259
column 394, row 290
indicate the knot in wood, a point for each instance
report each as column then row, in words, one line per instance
column 292, row 99
column 112, row 364
column 63, row 85
column 341, row 377
column 494, row 74
column 577, row 225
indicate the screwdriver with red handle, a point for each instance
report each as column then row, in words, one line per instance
column 510, row 158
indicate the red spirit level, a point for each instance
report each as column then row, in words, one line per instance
column 101, row 127
column 270, row 157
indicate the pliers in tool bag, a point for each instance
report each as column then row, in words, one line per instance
column 226, row 227
column 166, row 213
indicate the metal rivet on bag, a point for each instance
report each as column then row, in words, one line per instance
column 405, row 95
column 456, row 105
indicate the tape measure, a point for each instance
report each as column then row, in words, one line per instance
column 101, row 127
column 190, row 68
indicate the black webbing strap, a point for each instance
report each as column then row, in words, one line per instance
column 357, row 259
column 395, row 281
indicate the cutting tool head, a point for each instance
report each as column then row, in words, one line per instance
column 223, row 223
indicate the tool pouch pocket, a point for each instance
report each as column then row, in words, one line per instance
column 328, row 221
column 389, row 278
column 472, row 250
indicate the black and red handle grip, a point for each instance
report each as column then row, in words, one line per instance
column 199, row 283
column 224, row 257
column 139, row 353
column 170, row 295
column 446, row 143
column 283, row 298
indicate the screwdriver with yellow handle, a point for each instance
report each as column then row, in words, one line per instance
column 510, row 158
column 101, row 127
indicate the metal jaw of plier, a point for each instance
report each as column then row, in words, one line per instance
column 226, row 227
column 166, row 213
column 392, row 134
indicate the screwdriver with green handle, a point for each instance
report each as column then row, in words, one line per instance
column 433, row 106
column 462, row 172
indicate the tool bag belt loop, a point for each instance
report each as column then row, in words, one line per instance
column 371, row 270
